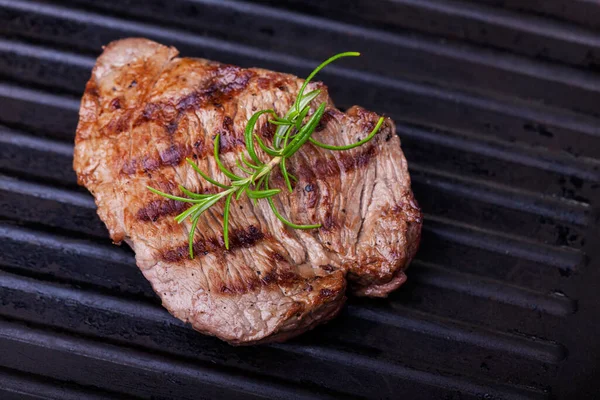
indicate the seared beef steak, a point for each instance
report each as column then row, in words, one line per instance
column 145, row 110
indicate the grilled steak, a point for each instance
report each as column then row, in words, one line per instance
column 145, row 110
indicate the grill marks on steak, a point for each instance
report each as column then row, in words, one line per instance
column 176, row 154
column 225, row 82
column 144, row 111
column 247, row 237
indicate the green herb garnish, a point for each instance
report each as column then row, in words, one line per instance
column 291, row 134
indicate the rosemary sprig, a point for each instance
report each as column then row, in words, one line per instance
column 291, row 134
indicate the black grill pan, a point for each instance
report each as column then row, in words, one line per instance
column 497, row 107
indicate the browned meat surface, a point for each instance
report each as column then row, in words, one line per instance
column 145, row 110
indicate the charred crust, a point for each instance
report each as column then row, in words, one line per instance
column 161, row 208
column 150, row 112
column 272, row 278
column 158, row 208
column 263, row 83
column 225, row 289
column 273, row 80
column 171, row 156
column 171, row 127
column 328, row 267
column 269, row 278
column 115, row 104
column 276, row 256
column 227, row 124
column 150, row 164
column 347, row 162
column 91, row 89
column 129, row 167
column 329, row 222
column 226, row 82
column 229, row 142
column 267, row 130
column 248, row 237
column 176, row 154
column 326, row 167
column 198, row 146
column 117, row 125
column 287, row 278
column 360, row 160
column 328, row 115
column 239, row 238
column 409, row 209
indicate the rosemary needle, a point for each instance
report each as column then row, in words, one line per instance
column 291, row 134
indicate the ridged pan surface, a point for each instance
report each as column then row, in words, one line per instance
column 497, row 107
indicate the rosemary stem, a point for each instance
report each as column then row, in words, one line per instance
column 268, row 167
